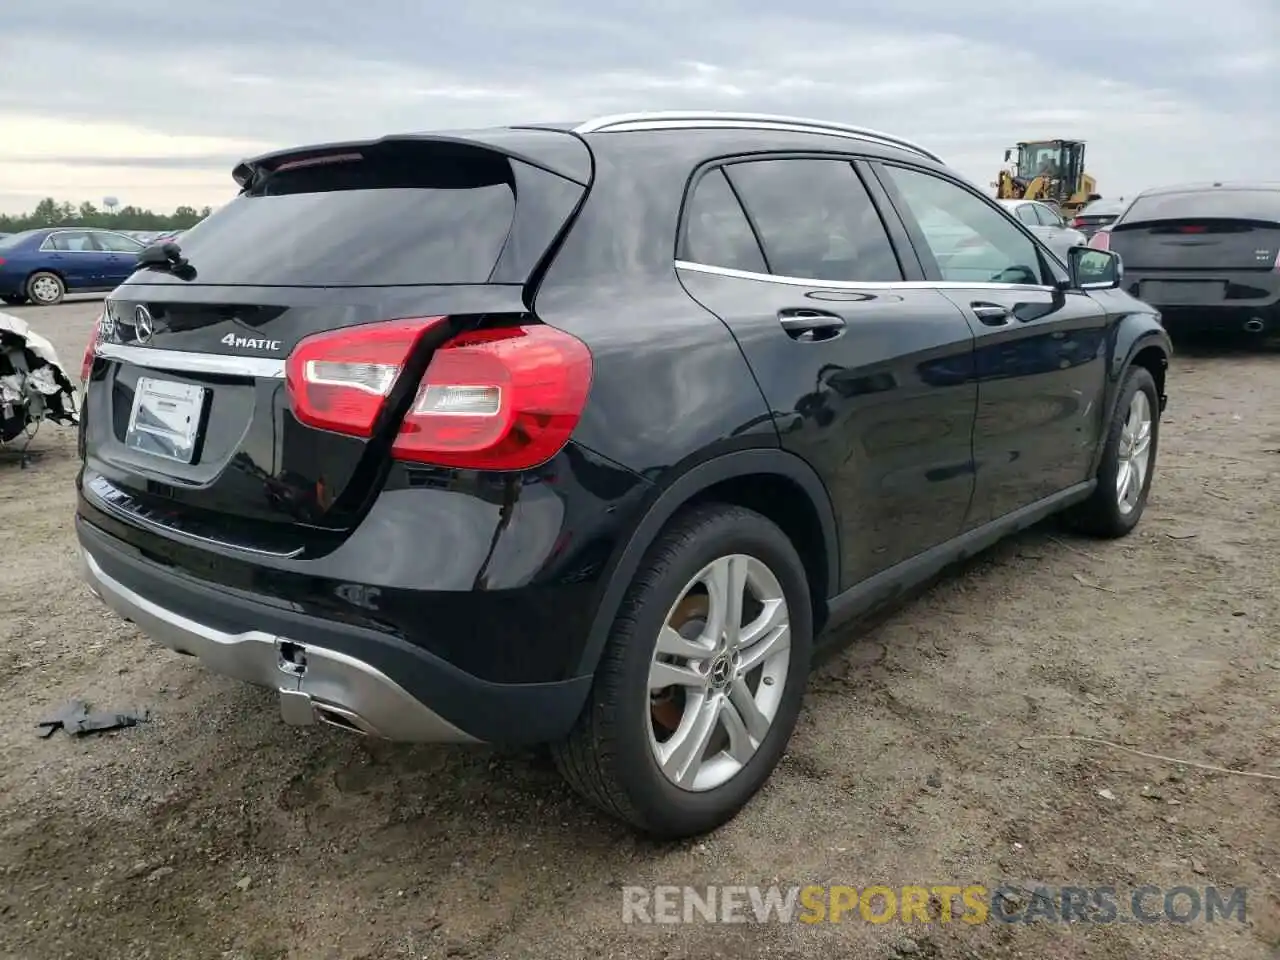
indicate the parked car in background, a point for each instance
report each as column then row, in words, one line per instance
column 43, row 266
column 597, row 434
column 1046, row 223
column 1098, row 214
column 1207, row 255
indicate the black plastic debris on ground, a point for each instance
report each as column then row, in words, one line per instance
column 78, row 719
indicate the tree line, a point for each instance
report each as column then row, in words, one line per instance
column 51, row 213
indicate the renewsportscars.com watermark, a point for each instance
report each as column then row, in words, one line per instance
column 935, row 903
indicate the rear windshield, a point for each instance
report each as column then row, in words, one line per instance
column 7, row 243
column 1207, row 205
column 402, row 215
column 1102, row 208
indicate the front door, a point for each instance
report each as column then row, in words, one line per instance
column 870, row 379
column 121, row 257
column 1040, row 356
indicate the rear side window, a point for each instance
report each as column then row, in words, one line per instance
column 815, row 220
column 1227, row 204
column 69, row 242
column 1027, row 214
column 402, row 214
column 717, row 233
column 117, row 243
column 1047, row 217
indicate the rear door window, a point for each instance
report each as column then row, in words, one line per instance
column 815, row 220
column 1047, row 217
column 717, row 233
column 69, row 241
column 1027, row 214
column 416, row 214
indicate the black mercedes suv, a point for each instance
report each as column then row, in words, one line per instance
column 588, row 435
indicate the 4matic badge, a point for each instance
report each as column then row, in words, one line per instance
column 250, row 343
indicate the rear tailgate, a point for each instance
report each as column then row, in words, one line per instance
column 1225, row 230
column 189, row 421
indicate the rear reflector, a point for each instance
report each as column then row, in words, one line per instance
column 506, row 398
column 500, row 399
column 90, row 350
column 1101, row 240
column 338, row 380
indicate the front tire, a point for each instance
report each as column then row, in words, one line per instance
column 700, row 684
column 45, row 289
column 1128, row 461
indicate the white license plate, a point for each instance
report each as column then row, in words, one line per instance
column 165, row 420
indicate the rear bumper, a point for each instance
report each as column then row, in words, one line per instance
column 324, row 671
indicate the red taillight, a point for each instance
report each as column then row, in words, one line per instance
column 1078, row 222
column 338, row 380
column 506, row 398
column 90, row 350
column 1193, row 228
column 1101, row 240
column 1, row 261
column 500, row 399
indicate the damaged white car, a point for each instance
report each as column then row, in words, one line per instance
column 33, row 384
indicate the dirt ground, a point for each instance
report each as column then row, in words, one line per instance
column 217, row 831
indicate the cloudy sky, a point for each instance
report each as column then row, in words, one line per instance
column 153, row 103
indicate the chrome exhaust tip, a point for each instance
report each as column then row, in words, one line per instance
column 344, row 720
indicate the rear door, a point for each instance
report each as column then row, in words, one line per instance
column 869, row 377
column 1040, row 355
column 74, row 255
column 188, row 424
column 1201, row 248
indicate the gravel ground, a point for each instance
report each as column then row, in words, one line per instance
column 217, row 831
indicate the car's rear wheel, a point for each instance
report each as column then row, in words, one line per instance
column 45, row 288
column 1128, row 461
column 699, row 687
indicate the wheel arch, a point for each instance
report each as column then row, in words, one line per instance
column 777, row 484
column 26, row 281
column 1140, row 341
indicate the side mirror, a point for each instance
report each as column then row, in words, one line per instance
column 1091, row 269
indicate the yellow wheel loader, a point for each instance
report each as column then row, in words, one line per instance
column 1051, row 171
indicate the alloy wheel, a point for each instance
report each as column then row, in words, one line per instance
column 1134, row 455
column 718, row 672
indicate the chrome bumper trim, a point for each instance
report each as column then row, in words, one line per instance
column 316, row 685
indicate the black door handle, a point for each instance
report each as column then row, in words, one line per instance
column 810, row 324
column 991, row 314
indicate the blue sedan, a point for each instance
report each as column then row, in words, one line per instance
column 43, row 266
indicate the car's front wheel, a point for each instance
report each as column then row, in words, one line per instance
column 1128, row 461
column 700, row 684
column 45, row 289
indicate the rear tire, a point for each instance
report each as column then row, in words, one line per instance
column 749, row 701
column 45, row 289
column 1128, row 466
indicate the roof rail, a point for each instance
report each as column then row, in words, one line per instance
column 693, row 119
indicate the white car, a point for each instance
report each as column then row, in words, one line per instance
column 1045, row 222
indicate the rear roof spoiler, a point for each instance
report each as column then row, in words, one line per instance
column 557, row 151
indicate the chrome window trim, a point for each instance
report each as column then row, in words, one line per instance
column 860, row 284
column 692, row 119
column 265, row 368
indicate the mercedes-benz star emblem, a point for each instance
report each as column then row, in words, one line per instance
column 142, row 325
